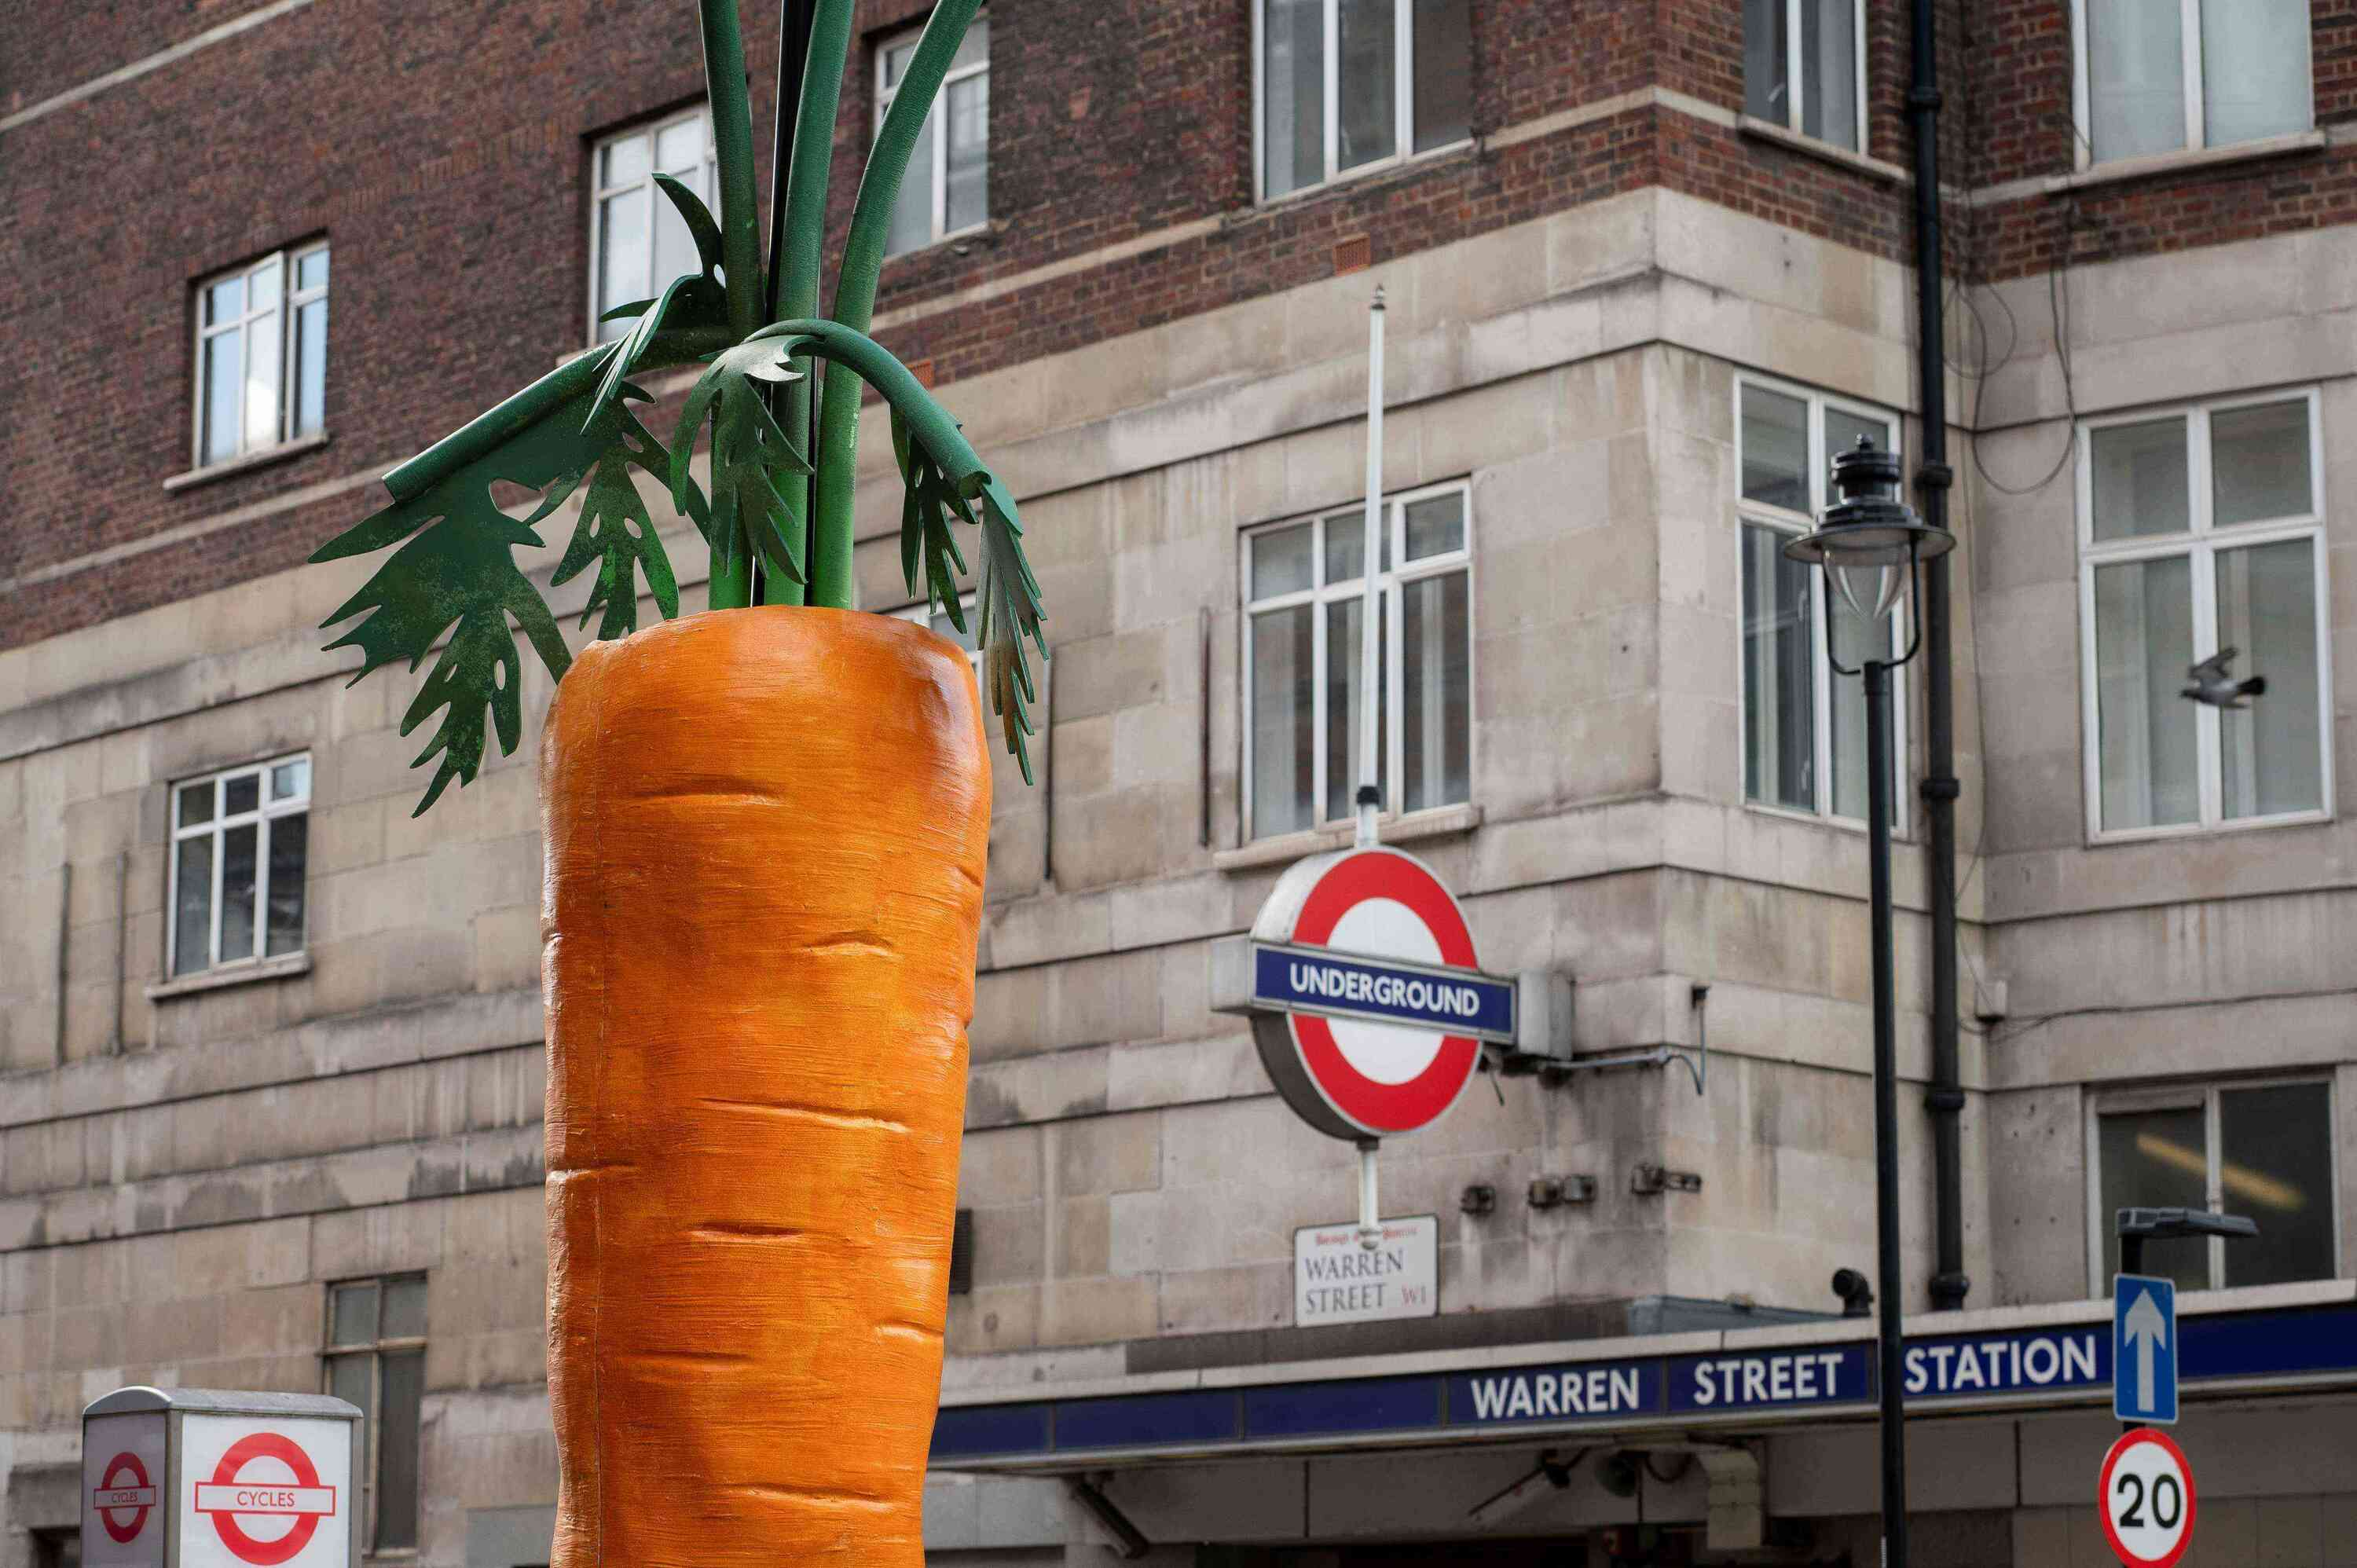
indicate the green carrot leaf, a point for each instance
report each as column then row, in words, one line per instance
column 701, row 226
column 751, row 457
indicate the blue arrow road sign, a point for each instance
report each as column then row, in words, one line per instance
column 2144, row 1349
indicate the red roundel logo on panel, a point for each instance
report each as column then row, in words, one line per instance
column 123, row 1498
column 1373, row 1004
column 265, row 1499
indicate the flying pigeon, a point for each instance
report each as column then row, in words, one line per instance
column 2214, row 685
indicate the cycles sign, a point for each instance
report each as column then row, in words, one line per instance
column 265, row 1493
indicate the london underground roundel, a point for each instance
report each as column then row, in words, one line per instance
column 1372, row 1006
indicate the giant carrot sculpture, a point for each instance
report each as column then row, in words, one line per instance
column 766, row 829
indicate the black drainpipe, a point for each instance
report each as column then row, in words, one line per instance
column 1945, row 1098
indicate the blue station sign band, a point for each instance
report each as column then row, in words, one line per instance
column 1384, row 991
column 2062, row 1364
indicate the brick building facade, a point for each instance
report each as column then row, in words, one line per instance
column 294, row 1143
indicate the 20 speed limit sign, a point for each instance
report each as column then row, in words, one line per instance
column 2145, row 1496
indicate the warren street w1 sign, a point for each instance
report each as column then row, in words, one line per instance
column 1338, row 1280
column 1367, row 1002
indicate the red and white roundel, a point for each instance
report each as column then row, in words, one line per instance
column 1354, row 1078
column 265, row 1499
column 123, row 1498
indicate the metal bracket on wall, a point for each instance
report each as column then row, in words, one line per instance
column 1555, row 1069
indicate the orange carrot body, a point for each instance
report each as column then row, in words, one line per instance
column 766, row 832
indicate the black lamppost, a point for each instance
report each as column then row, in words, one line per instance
column 1870, row 542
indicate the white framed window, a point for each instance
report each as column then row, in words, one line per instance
column 375, row 1358
column 637, row 242
column 240, row 841
column 926, row 613
column 1303, row 588
column 262, row 354
column 2262, row 1149
column 1803, row 725
column 1346, row 86
column 2164, row 75
column 946, row 191
column 2202, row 529
column 1804, row 66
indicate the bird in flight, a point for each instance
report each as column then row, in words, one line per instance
column 2212, row 684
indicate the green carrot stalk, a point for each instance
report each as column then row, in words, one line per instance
column 740, row 245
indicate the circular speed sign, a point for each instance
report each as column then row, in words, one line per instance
column 2146, row 1497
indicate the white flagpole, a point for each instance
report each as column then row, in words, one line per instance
column 1371, row 687
column 1371, row 678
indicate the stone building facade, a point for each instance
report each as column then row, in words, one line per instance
column 269, row 1112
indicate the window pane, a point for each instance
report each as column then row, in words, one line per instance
column 348, row 1379
column 2135, row 78
column 2144, row 643
column 2258, row 462
column 396, row 1464
column 1283, row 666
column 2139, row 481
column 239, row 848
column 1854, row 643
column 626, row 161
column 310, row 358
column 353, row 1321
column 1280, row 560
column 969, row 152
column 1346, row 544
column 2254, row 68
column 1436, row 700
column 2268, row 749
column 290, row 838
column 1343, row 712
column 192, row 906
column 225, row 389
column 896, row 63
column 1369, row 70
column 311, row 269
column 262, row 284
column 941, row 624
column 241, row 794
column 1443, row 80
column 621, row 254
column 674, row 251
column 1292, row 86
column 1436, row 525
column 1829, row 85
column 974, row 48
column 1775, row 449
column 289, row 779
column 679, row 149
column 404, row 1309
column 2154, row 1159
column 1767, row 71
column 264, row 367
column 225, row 301
column 1780, row 744
column 2276, row 1165
column 912, row 210
column 196, row 803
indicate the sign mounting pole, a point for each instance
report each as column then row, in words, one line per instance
column 1371, row 685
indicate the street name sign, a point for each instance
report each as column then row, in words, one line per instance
column 2145, row 1495
column 2144, row 1349
column 1335, row 1279
column 1368, row 1004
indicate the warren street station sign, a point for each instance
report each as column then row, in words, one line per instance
column 1337, row 1280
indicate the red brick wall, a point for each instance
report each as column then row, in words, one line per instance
column 441, row 146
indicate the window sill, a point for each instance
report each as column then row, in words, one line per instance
column 2102, row 840
column 1856, row 825
column 2191, row 158
column 1437, row 822
column 960, row 241
column 286, row 966
column 1411, row 166
column 1822, row 151
column 285, row 451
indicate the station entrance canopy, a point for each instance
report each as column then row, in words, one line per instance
column 2232, row 1342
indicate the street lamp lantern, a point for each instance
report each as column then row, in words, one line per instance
column 1869, row 543
column 1869, row 532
